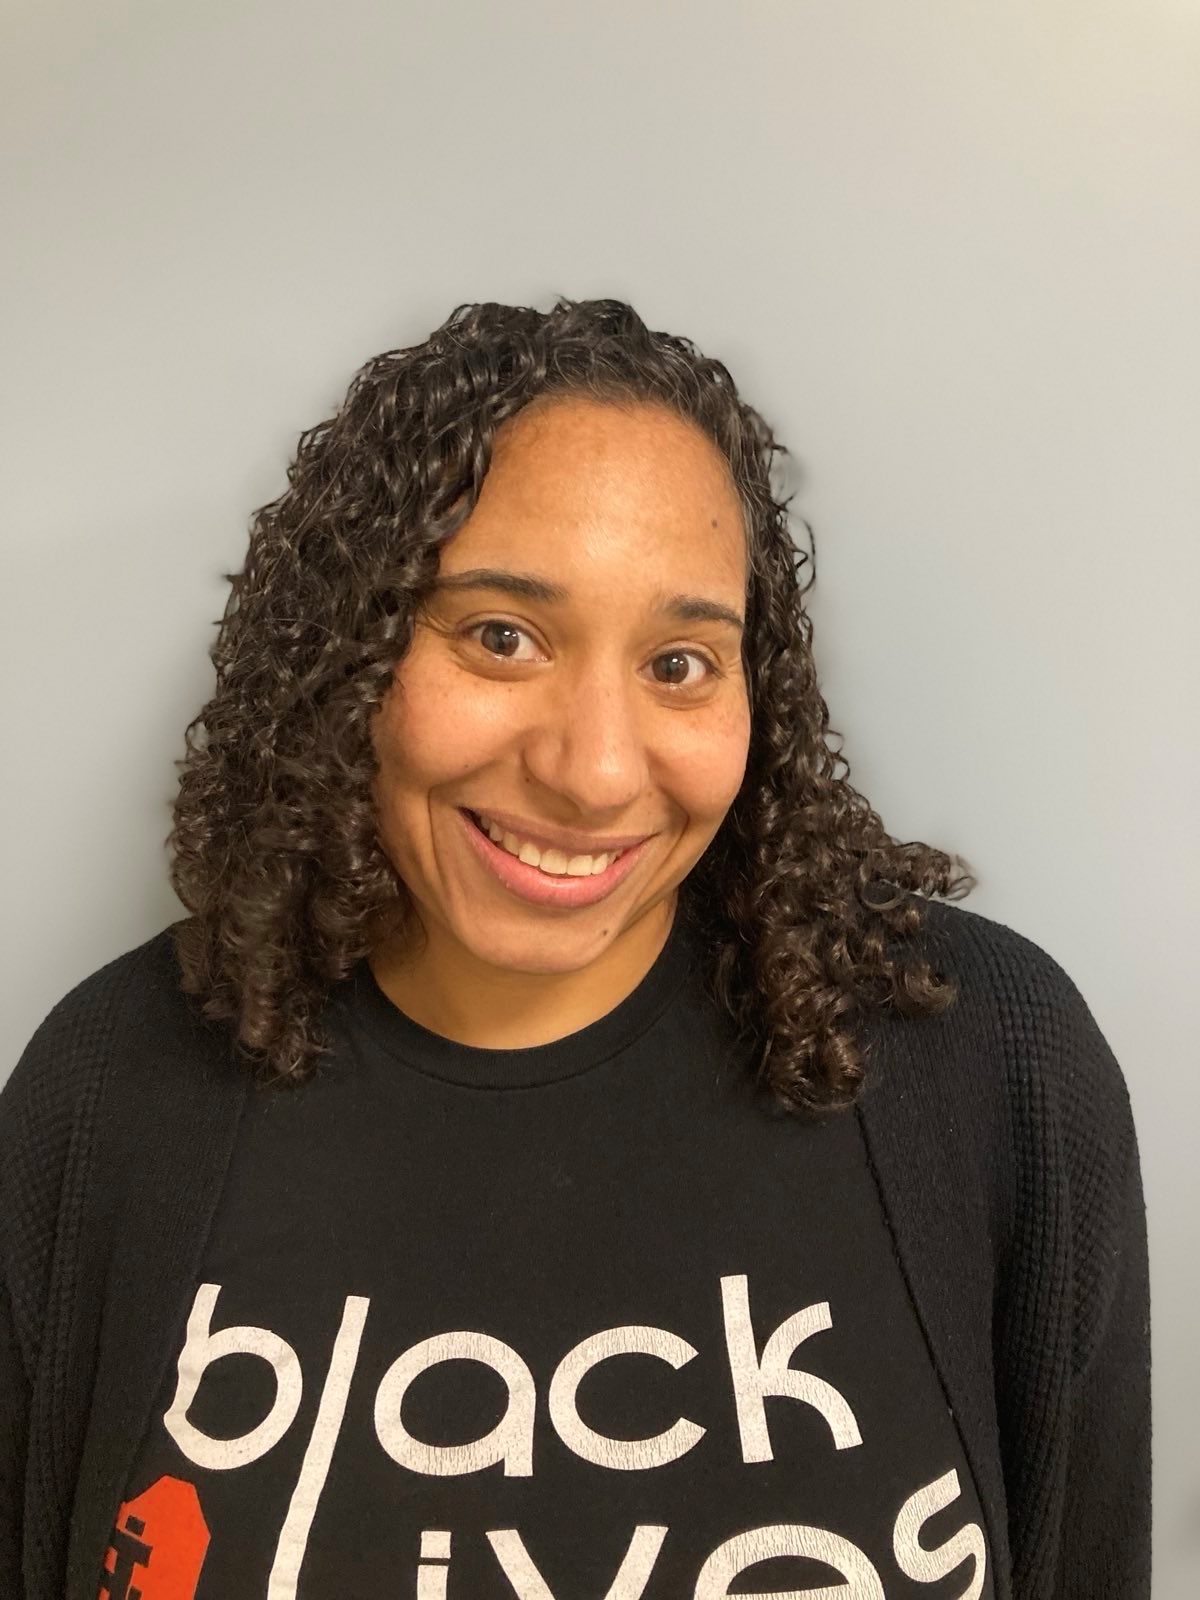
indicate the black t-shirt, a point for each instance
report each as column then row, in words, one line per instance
column 583, row 1321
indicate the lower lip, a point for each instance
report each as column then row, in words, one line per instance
column 550, row 888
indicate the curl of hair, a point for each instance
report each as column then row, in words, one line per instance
column 803, row 903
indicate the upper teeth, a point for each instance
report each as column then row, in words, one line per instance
column 548, row 860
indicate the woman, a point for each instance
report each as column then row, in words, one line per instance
column 565, row 1148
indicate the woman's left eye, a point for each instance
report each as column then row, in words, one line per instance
column 501, row 626
column 682, row 655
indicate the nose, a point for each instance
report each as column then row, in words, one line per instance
column 588, row 742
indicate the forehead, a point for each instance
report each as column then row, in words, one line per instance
column 577, row 479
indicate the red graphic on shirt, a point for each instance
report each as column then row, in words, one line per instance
column 158, row 1545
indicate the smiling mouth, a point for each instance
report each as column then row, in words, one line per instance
column 612, row 856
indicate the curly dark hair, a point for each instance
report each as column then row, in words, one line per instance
column 274, row 848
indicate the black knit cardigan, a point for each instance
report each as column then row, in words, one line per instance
column 1000, row 1136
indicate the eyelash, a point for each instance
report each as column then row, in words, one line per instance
column 679, row 688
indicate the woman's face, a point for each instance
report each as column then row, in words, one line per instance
column 601, row 712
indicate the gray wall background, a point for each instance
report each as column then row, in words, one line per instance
column 952, row 250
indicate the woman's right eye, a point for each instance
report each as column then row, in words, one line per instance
column 498, row 626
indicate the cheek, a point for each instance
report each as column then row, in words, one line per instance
column 708, row 763
column 429, row 731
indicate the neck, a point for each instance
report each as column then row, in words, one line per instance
column 445, row 987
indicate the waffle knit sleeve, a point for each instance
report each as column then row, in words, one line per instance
column 47, row 1110
column 14, row 1428
column 26, row 1242
column 1105, row 1550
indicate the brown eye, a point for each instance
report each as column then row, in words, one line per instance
column 489, row 632
column 680, row 680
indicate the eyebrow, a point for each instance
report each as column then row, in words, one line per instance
column 528, row 586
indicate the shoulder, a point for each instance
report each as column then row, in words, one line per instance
column 1015, row 1003
column 995, row 959
column 1048, row 1038
column 59, row 1074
